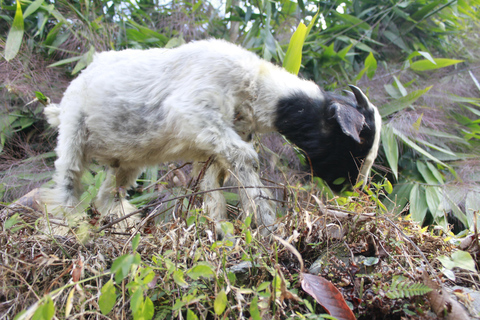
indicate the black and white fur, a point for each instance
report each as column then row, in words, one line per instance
column 136, row 108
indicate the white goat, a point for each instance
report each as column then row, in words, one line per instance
column 136, row 108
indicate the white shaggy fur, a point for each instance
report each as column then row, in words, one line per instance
column 136, row 108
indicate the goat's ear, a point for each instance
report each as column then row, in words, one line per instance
column 350, row 120
column 362, row 99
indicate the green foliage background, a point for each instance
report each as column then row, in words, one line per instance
column 394, row 50
column 418, row 60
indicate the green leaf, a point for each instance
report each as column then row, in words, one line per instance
column 179, row 279
column 427, row 64
column 12, row 221
column 459, row 259
column 371, row 65
column 135, row 241
column 403, row 102
column 248, row 237
column 426, row 173
column 45, row 311
column 227, row 227
column 108, row 297
column 254, row 312
column 418, row 203
column 191, row 315
column 136, row 301
column 415, row 147
column 434, row 198
column 390, row 145
column 220, row 302
column 293, row 57
column 148, row 309
column 32, row 8
column 15, row 35
column 121, row 267
column 84, row 61
column 201, row 270
column 388, row 187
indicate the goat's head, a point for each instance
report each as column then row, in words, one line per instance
column 340, row 135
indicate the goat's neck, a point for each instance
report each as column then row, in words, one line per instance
column 273, row 84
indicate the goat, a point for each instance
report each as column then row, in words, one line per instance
column 136, row 108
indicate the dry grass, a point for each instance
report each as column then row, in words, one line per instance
column 35, row 264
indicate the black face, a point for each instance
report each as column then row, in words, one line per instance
column 335, row 133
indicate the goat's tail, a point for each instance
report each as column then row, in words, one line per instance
column 52, row 112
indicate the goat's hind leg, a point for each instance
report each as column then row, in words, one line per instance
column 111, row 200
column 62, row 200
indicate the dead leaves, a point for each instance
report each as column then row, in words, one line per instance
column 322, row 290
column 327, row 295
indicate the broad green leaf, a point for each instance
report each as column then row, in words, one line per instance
column 396, row 39
column 403, row 102
column 424, row 11
column 433, row 198
column 148, row 309
column 388, row 187
column 201, row 271
column 135, row 241
column 15, row 35
column 426, row 173
column 108, row 297
column 32, row 8
column 438, row 175
column 248, row 237
column 458, row 259
column 390, row 145
column 227, row 227
column 399, row 197
column 418, row 203
column 424, row 65
column 220, row 302
column 121, row 267
column 463, row 260
column 179, row 279
column 371, row 65
column 417, row 148
column 254, row 312
column 293, row 57
column 84, row 61
column 45, row 311
column 191, row 315
column 262, row 286
column 136, row 301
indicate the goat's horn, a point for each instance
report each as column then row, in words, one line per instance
column 362, row 99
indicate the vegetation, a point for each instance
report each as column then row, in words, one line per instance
column 419, row 62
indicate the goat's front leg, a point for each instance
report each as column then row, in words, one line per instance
column 255, row 199
column 214, row 202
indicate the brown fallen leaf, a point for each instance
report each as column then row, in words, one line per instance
column 327, row 295
column 442, row 302
column 322, row 290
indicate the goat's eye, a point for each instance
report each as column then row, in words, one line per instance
column 362, row 140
